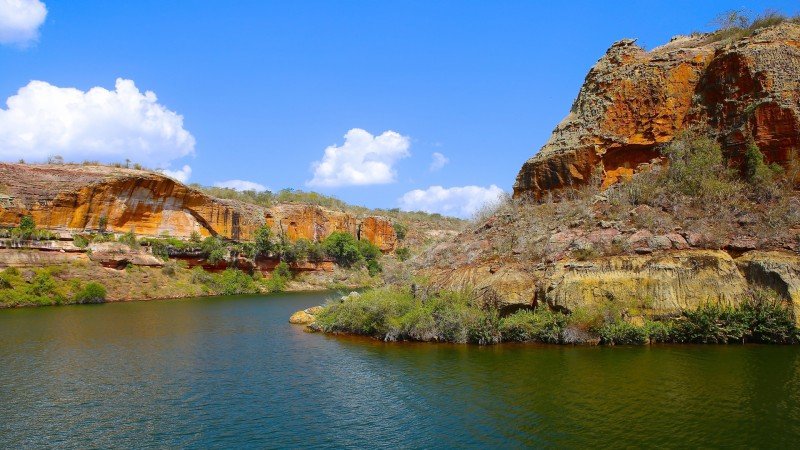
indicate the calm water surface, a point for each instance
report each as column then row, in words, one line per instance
column 231, row 372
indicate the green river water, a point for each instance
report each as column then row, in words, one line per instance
column 232, row 373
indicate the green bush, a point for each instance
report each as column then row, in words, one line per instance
column 214, row 250
column 233, row 281
column 541, row 325
column 42, row 284
column 282, row 270
column 91, row 293
column 394, row 314
column 80, row 241
column 343, row 248
column 623, row 333
column 402, row 253
column 400, row 230
column 129, row 239
column 263, row 242
column 201, row 277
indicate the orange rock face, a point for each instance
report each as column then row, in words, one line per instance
column 72, row 198
column 633, row 101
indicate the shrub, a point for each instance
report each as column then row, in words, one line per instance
column 343, row 248
column 214, row 249
column 400, row 230
column 539, row 326
column 233, row 281
column 374, row 268
column 200, row 276
column 282, row 270
column 623, row 333
column 91, row 293
column 195, row 237
column 42, row 284
column 169, row 268
column 129, row 239
column 80, row 241
column 402, row 253
column 263, row 241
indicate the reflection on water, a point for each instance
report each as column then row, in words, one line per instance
column 232, row 372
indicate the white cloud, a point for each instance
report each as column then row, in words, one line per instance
column 439, row 161
column 42, row 120
column 20, row 20
column 241, row 185
column 460, row 201
column 363, row 159
column 181, row 175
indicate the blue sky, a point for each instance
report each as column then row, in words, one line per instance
column 264, row 88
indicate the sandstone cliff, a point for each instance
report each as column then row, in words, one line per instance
column 77, row 198
column 633, row 100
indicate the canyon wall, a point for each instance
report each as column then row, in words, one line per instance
column 78, row 198
column 633, row 101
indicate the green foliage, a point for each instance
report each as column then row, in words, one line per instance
column 263, row 242
column 541, row 325
column 42, row 284
column 195, row 237
column 402, row 253
column 170, row 268
column 303, row 250
column 696, row 167
column 233, row 281
column 374, row 267
column 80, row 241
column 214, row 250
column 91, row 293
column 27, row 225
column 201, row 277
column 343, row 248
column 394, row 314
column 129, row 239
column 623, row 333
column 102, row 223
column 400, row 229
column 282, row 270
column 758, row 173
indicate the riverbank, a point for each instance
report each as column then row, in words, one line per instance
column 393, row 314
column 66, row 283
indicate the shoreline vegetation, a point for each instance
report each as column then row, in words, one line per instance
column 393, row 314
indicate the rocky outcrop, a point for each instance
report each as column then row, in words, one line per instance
column 78, row 198
column 633, row 100
column 305, row 316
column 663, row 283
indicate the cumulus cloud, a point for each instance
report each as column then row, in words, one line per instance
column 181, row 175
column 363, row 159
column 241, row 185
column 42, row 120
column 20, row 21
column 439, row 161
column 460, row 201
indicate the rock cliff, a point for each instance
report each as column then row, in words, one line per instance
column 78, row 198
column 634, row 100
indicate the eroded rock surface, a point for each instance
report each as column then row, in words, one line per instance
column 633, row 100
column 77, row 198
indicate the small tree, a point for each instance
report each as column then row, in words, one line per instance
column 343, row 248
column 263, row 241
column 400, row 230
column 27, row 226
